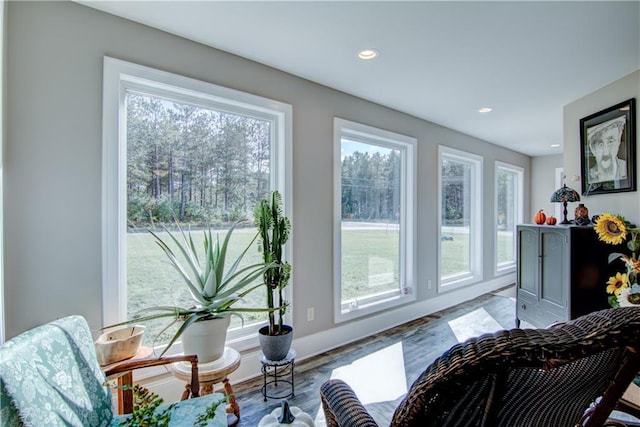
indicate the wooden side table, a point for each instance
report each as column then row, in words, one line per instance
column 212, row 373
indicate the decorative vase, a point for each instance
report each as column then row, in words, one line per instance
column 275, row 347
column 206, row 338
column 119, row 345
column 582, row 215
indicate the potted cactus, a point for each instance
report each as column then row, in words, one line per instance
column 274, row 229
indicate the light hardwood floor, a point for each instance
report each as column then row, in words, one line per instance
column 381, row 368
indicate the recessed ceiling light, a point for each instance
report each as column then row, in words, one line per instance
column 367, row 54
column 485, row 110
column 555, row 145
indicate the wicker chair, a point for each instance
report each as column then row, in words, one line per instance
column 522, row 377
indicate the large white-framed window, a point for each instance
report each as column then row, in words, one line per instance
column 509, row 190
column 460, row 218
column 179, row 148
column 374, row 219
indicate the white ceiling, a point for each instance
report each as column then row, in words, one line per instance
column 440, row 61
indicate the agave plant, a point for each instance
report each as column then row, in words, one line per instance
column 214, row 289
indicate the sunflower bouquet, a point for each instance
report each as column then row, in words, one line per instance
column 623, row 288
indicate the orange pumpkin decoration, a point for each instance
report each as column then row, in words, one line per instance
column 551, row 220
column 540, row 217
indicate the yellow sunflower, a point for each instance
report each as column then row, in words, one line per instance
column 610, row 229
column 617, row 283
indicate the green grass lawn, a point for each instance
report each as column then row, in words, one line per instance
column 370, row 262
column 370, row 266
column 506, row 247
column 455, row 253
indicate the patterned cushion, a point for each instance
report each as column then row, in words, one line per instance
column 186, row 412
column 50, row 377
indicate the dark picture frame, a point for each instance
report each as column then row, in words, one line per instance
column 608, row 150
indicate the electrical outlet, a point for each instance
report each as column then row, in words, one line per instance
column 429, row 284
column 311, row 314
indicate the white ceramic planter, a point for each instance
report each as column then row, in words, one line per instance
column 206, row 339
column 119, row 345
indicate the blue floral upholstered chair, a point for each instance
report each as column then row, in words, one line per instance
column 571, row 374
column 50, row 376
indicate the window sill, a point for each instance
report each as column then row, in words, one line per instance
column 375, row 307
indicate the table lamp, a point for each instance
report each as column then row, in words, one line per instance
column 564, row 195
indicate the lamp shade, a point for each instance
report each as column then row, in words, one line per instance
column 565, row 194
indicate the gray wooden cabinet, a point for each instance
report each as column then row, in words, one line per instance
column 561, row 274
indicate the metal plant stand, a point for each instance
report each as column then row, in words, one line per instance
column 277, row 376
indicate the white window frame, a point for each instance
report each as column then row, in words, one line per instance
column 3, row 6
column 475, row 273
column 518, row 213
column 407, row 147
column 120, row 76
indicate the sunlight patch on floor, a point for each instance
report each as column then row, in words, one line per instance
column 473, row 324
column 378, row 377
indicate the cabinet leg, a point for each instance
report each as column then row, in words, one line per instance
column 517, row 322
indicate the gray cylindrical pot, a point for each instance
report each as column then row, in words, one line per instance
column 275, row 347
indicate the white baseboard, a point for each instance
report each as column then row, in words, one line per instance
column 311, row 345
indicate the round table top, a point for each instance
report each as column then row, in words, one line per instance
column 214, row 371
column 287, row 359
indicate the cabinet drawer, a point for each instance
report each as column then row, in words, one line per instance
column 537, row 313
column 528, row 309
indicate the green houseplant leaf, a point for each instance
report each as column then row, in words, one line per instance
column 214, row 288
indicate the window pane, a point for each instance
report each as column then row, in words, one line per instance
column 506, row 216
column 198, row 166
column 370, row 226
column 455, row 244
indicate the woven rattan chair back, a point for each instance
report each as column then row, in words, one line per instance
column 530, row 377
column 569, row 375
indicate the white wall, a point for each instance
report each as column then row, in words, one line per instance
column 627, row 204
column 53, row 167
column 543, row 185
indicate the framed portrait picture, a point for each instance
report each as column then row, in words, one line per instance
column 608, row 150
